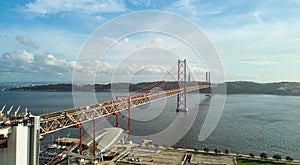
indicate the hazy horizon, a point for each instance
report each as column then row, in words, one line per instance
column 87, row 83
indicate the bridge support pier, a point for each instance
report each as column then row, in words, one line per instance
column 128, row 118
column 80, row 139
column 123, row 116
column 117, row 118
column 94, row 139
column 181, row 97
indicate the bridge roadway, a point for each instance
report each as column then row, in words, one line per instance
column 59, row 120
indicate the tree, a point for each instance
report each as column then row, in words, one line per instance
column 226, row 151
column 206, row 149
column 277, row 157
column 217, row 150
column 288, row 158
column 263, row 155
column 251, row 155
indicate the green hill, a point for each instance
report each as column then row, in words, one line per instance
column 280, row 88
column 237, row 87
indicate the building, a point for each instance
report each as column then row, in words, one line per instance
column 19, row 141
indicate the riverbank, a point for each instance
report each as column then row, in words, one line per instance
column 250, row 161
column 149, row 154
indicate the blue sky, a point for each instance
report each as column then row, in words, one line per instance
column 256, row 40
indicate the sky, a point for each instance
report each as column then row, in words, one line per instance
column 42, row 40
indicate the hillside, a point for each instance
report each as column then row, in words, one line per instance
column 280, row 88
column 238, row 87
column 94, row 87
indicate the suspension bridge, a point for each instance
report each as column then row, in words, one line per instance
column 75, row 117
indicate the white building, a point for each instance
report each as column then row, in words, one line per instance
column 19, row 142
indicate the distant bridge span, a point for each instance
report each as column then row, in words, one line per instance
column 59, row 120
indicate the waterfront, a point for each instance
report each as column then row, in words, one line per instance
column 249, row 123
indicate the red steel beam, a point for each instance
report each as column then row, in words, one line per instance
column 59, row 120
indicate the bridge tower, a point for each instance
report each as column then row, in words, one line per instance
column 181, row 97
column 207, row 80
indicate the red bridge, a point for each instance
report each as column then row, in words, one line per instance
column 74, row 117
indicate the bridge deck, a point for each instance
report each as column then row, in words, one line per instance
column 55, row 121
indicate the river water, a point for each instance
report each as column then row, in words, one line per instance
column 249, row 123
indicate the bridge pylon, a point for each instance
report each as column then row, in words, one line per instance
column 181, row 97
column 207, row 80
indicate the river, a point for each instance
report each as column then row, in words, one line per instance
column 249, row 123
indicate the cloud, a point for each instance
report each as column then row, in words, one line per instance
column 258, row 62
column 146, row 70
column 156, row 40
column 49, row 59
column 48, row 7
column 19, row 61
column 22, row 61
column 154, row 69
column 196, row 9
column 25, row 40
column 110, row 39
column 146, row 3
column 91, row 67
column 132, row 72
column 20, row 55
column 126, row 39
column 197, row 70
column 50, row 66
column 136, row 69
